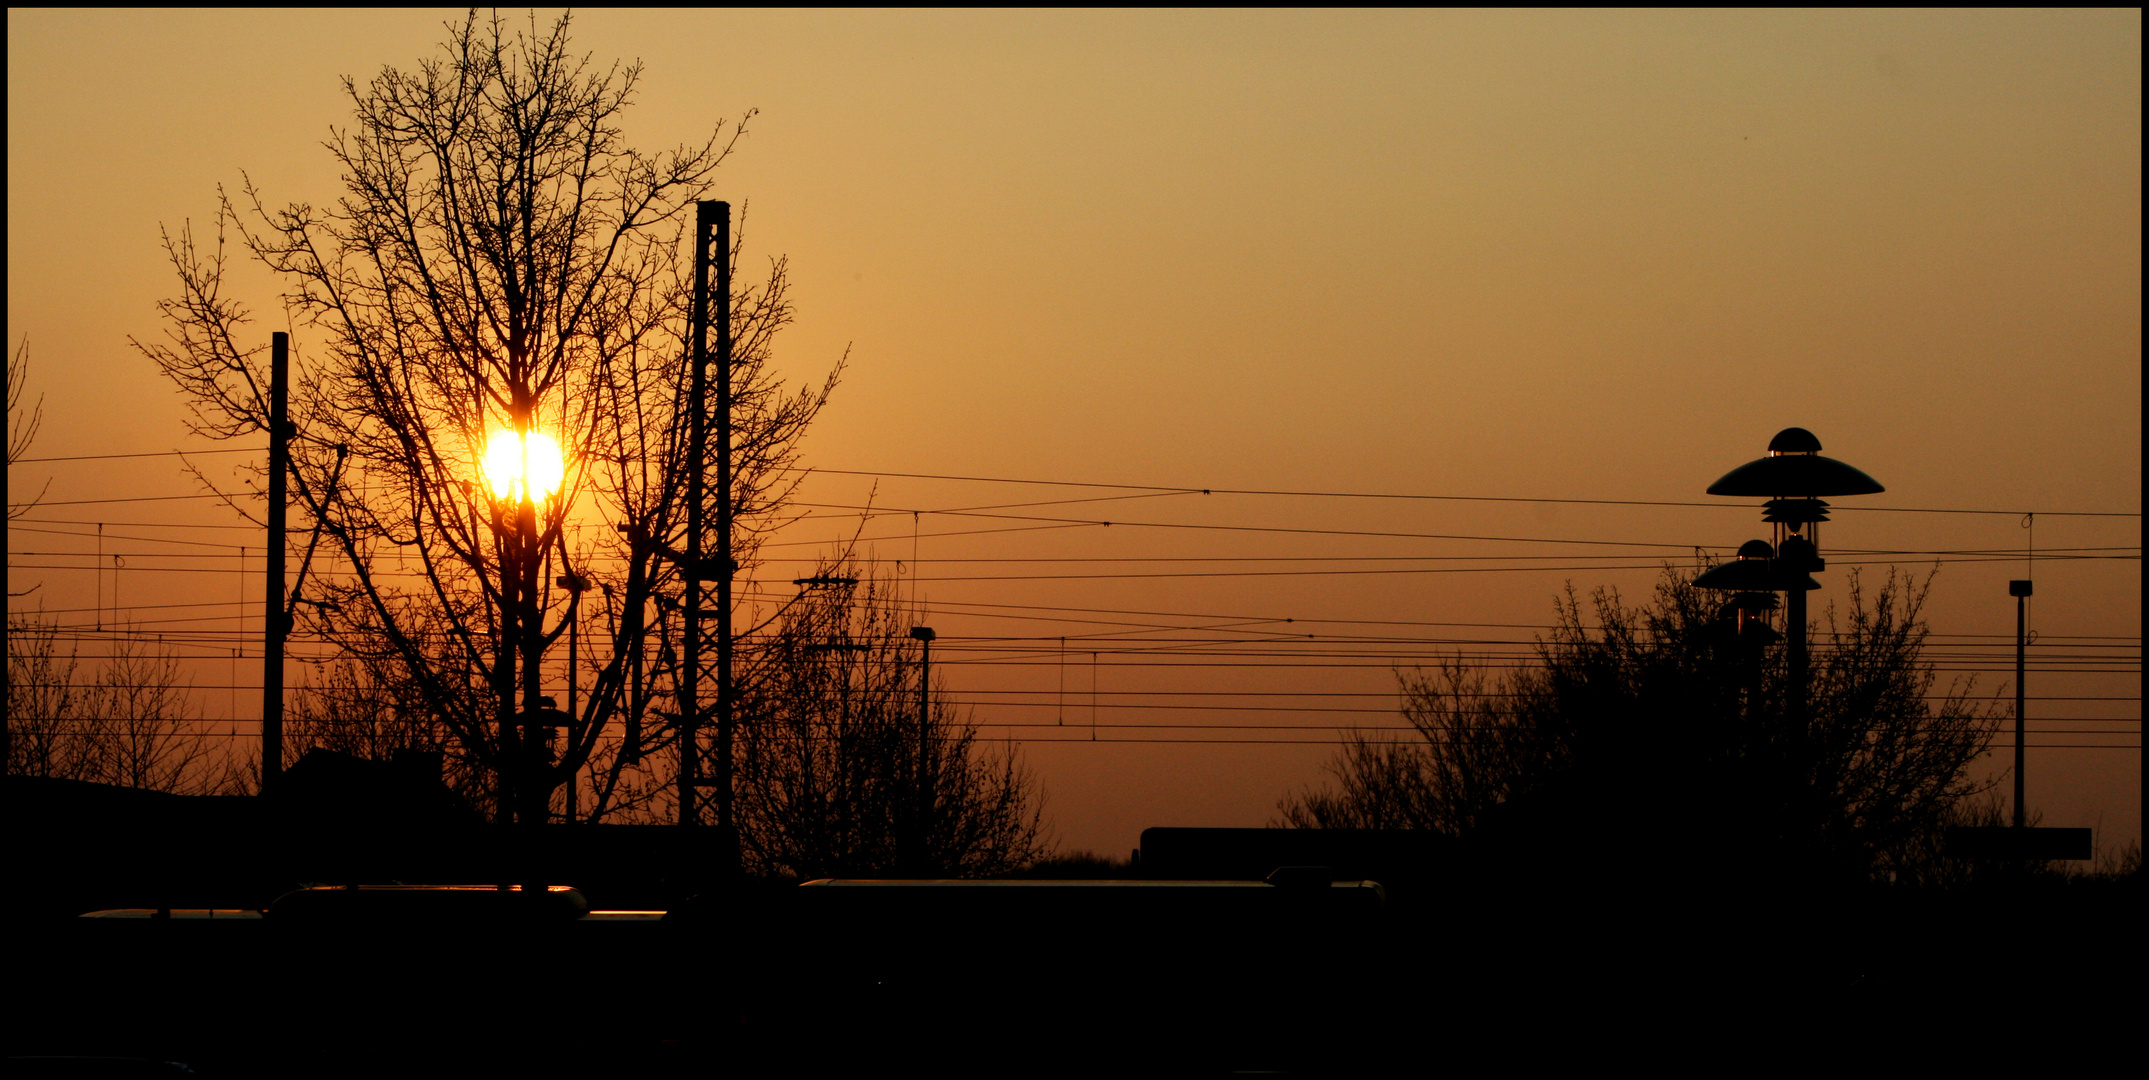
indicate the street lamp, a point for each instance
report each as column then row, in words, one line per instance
column 1794, row 478
column 923, row 829
column 1754, row 577
column 2021, row 591
column 1754, row 570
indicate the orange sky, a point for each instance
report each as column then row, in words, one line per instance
column 1563, row 255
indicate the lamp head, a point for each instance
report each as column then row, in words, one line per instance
column 1794, row 467
column 1757, row 571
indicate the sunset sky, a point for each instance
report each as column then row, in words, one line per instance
column 1537, row 255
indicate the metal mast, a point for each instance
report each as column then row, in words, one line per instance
column 727, row 835
column 697, row 456
column 274, row 626
column 712, row 251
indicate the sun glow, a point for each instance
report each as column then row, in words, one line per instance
column 510, row 459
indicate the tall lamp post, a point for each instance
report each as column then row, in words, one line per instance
column 922, row 832
column 1754, row 578
column 1794, row 478
column 2020, row 842
column 2021, row 591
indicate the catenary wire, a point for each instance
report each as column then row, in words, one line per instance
column 1184, row 489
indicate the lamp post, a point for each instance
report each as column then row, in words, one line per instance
column 1754, row 578
column 922, row 831
column 1794, row 478
column 2021, row 591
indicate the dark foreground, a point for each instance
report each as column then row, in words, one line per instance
column 1501, row 960
column 1091, row 979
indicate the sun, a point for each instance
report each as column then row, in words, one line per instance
column 515, row 463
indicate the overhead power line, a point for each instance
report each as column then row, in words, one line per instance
column 2010, row 554
column 1104, row 523
column 1243, row 618
column 1186, row 489
column 151, row 453
column 249, row 728
column 100, row 502
column 1205, row 527
column 123, row 536
column 128, row 524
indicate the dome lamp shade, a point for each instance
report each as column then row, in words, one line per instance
column 1755, row 570
column 1794, row 467
column 1794, row 440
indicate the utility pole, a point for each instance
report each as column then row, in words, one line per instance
column 922, row 830
column 2020, row 590
column 275, row 626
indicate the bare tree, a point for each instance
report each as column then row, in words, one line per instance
column 500, row 262
column 1661, row 712
column 126, row 722
column 841, row 772
column 45, row 696
column 341, row 706
column 22, row 423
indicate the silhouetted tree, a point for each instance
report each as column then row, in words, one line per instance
column 339, row 706
column 835, row 775
column 500, row 259
column 1661, row 716
column 126, row 721
column 22, row 425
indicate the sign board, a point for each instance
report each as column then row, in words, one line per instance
column 2004, row 842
